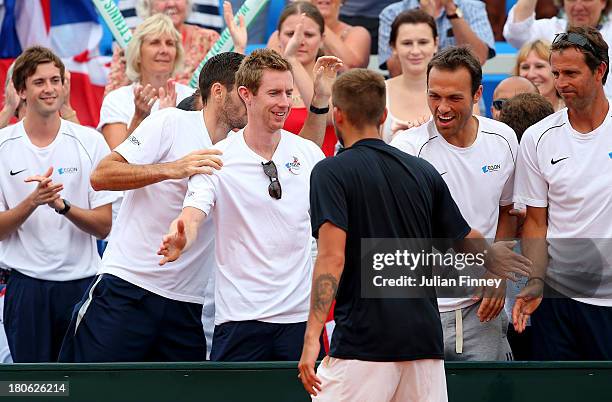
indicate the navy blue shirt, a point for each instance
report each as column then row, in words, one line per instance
column 373, row 190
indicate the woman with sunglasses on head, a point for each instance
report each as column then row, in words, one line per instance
column 196, row 41
column 532, row 63
column 414, row 38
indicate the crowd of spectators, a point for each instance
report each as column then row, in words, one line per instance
column 153, row 166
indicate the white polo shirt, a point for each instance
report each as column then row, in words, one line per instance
column 480, row 177
column 263, row 253
column 47, row 245
column 118, row 105
column 569, row 173
column 146, row 213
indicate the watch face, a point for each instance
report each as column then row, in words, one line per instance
column 459, row 12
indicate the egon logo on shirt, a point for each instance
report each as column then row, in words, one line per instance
column 490, row 168
column 68, row 170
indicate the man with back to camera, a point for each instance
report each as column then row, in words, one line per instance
column 152, row 162
column 259, row 201
column 382, row 347
column 563, row 177
column 476, row 157
column 49, row 224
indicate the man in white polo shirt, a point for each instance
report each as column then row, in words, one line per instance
column 260, row 204
column 475, row 157
column 563, row 176
column 49, row 214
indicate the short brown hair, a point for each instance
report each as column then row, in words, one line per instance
column 452, row 59
column 524, row 110
column 414, row 16
column 252, row 67
column 28, row 61
column 595, row 40
column 299, row 8
column 361, row 95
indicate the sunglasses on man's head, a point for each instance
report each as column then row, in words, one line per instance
column 274, row 189
column 578, row 40
column 499, row 103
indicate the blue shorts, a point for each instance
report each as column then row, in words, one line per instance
column 237, row 341
column 36, row 315
column 117, row 321
column 566, row 329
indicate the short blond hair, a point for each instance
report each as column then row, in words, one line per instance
column 144, row 8
column 154, row 26
column 252, row 68
column 541, row 49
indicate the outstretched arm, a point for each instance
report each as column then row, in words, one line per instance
column 115, row 173
column 183, row 231
column 325, row 71
column 327, row 272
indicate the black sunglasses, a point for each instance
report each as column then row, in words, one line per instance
column 274, row 189
column 578, row 40
column 499, row 103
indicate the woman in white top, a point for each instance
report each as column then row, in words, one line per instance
column 153, row 56
column 414, row 38
column 532, row 63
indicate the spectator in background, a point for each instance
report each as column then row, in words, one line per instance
column 195, row 41
column 462, row 22
column 414, row 41
column 364, row 13
column 154, row 54
column 532, row 62
column 351, row 44
column 522, row 27
column 301, row 28
column 50, row 216
column 193, row 102
column 523, row 111
column 508, row 88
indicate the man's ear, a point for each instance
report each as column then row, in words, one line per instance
column 245, row 94
column 217, row 91
column 478, row 95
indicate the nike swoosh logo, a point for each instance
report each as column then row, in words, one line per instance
column 442, row 174
column 15, row 173
column 552, row 161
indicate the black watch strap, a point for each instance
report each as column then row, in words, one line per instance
column 66, row 208
column 319, row 110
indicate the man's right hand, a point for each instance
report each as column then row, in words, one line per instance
column 202, row 161
column 46, row 192
column 173, row 244
column 504, row 262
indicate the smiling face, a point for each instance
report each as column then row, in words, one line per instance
column 573, row 78
column 272, row 103
column 415, row 45
column 43, row 90
column 175, row 9
column 537, row 70
column 313, row 40
column 584, row 12
column 450, row 99
column 157, row 55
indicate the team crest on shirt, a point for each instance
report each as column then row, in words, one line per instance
column 294, row 167
column 68, row 170
column 490, row 168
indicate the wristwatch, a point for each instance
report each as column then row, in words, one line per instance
column 458, row 14
column 66, row 208
column 319, row 110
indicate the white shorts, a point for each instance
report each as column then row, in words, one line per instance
column 366, row 381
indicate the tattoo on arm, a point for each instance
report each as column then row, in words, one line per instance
column 324, row 291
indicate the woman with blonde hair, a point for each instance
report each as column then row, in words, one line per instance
column 196, row 41
column 532, row 63
column 153, row 56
